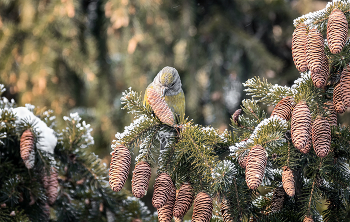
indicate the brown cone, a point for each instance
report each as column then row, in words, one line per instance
column 27, row 148
column 284, row 108
column 331, row 113
column 301, row 127
column 140, row 179
column 51, row 185
column 119, row 168
column 277, row 199
column 255, row 168
column 162, row 188
column 236, row 115
column 318, row 79
column 338, row 98
column 315, row 51
column 308, row 219
column 202, row 208
column 225, row 211
column 242, row 160
column 321, row 136
column 165, row 213
column 160, row 107
column 184, row 200
column 337, row 31
column 299, row 42
column 288, row 181
column 345, row 79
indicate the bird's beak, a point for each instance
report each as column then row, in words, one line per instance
column 163, row 90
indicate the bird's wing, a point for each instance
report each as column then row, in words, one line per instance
column 145, row 102
column 177, row 104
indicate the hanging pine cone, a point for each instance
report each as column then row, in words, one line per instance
column 330, row 112
column 140, row 179
column 184, row 200
column 236, row 115
column 202, row 208
column 288, row 181
column 338, row 98
column 119, row 167
column 160, row 107
column 308, row 219
column 277, row 199
column 284, row 108
column 50, row 183
column 242, row 160
column 345, row 80
column 321, row 136
column 165, row 213
column 255, row 168
column 162, row 188
column 27, row 148
column 225, row 211
column 301, row 127
column 337, row 31
column 315, row 51
column 299, row 42
column 318, row 79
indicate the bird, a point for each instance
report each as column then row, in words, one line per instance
column 167, row 84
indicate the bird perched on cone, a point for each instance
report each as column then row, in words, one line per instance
column 167, row 84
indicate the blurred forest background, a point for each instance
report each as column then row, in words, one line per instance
column 80, row 55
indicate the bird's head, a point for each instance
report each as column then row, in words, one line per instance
column 169, row 81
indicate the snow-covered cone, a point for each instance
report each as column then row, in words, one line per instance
column 321, row 136
column 27, row 148
column 165, row 213
column 338, row 98
column 119, row 167
column 183, row 201
column 331, row 113
column 225, row 211
column 284, row 108
column 301, row 127
column 315, row 51
column 288, row 181
column 255, row 168
column 235, row 116
column 51, row 185
column 308, row 219
column 345, row 79
column 277, row 199
column 337, row 31
column 202, row 208
column 162, row 188
column 140, row 179
column 160, row 107
column 299, row 41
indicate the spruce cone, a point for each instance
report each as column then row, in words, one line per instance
column 318, row 79
column 315, row 51
column 225, row 211
column 242, row 160
column 27, row 148
column 202, row 208
column 160, row 107
column 331, row 114
column 51, row 185
column 345, row 79
column 140, row 179
column 165, row 213
column 277, row 199
column 255, row 169
column 321, row 136
column 308, row 219
column 288, row 181
column 162, row 188
column 338, row 98
column 119, row 167
column 337, row 31
column 284, row 108
column 184, row 200
column 299, row 42
column 301, row 127
column 236, row 115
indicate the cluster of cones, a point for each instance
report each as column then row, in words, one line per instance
column 168, row 201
